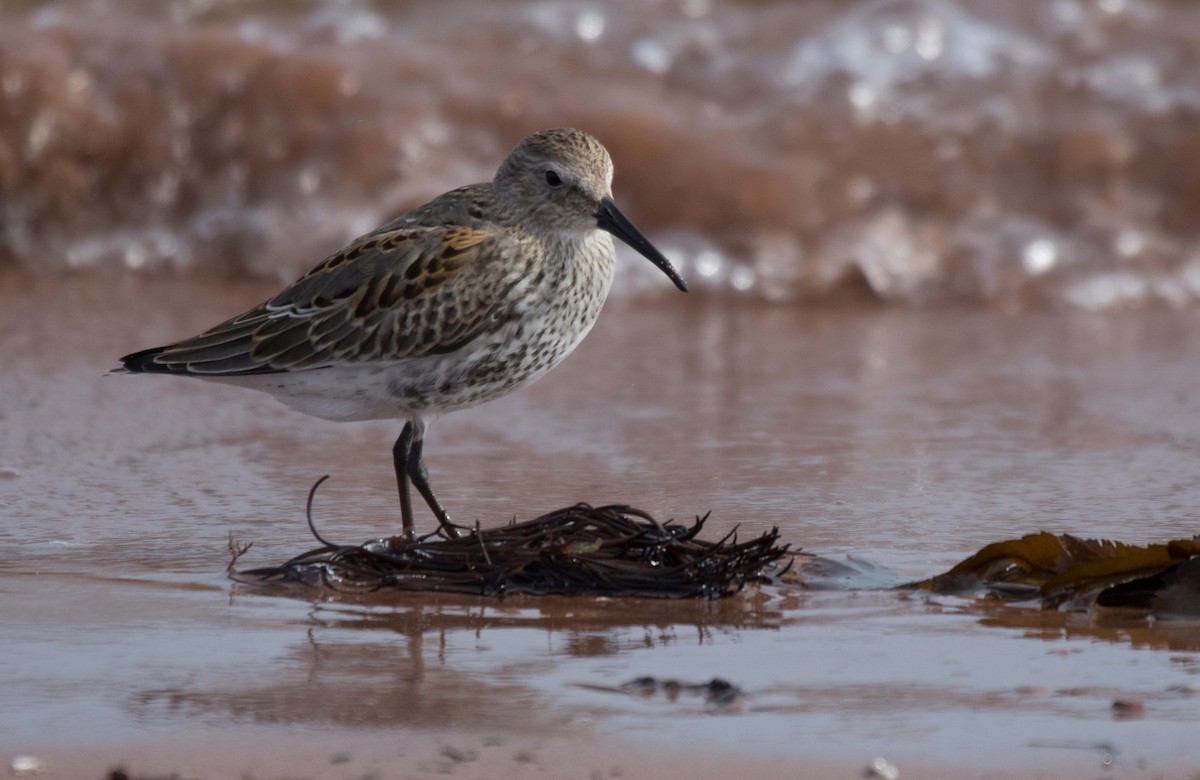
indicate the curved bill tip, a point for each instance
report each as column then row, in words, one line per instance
column 610, row 218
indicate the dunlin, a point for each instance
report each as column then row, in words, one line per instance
column 465, row 299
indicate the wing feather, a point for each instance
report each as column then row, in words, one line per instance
column 390, row 295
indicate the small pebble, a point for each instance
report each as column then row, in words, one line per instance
column 881, row 767
column 722, row 693
column 457, row 755
column 1128, row 708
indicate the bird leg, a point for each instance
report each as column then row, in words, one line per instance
column 420, row 479
column 400, row 453
column 410, row 466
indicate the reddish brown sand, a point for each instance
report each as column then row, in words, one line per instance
column 1013, row 183
column 907, row 439
column 468, row 756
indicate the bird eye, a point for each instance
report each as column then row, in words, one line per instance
column 553, row 179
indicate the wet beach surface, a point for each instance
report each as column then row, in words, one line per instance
column 903, row 438
column 945, row 272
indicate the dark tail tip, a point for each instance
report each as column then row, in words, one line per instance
column 143, row 362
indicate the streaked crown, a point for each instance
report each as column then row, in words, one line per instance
column 555, row 179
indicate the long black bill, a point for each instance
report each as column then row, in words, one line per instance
column 610, row 218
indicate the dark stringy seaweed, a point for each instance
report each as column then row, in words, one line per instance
column 578, row 550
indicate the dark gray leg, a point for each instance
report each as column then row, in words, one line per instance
column 410, row 466
column 420, row 479
column 400, row 454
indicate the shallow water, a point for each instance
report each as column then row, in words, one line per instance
column 905, row 438
column 945, row 260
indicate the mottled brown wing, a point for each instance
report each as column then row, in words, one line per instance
column 389, row 295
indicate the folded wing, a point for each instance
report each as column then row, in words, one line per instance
column 390, row 295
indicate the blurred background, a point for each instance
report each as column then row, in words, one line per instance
column 945, row 266
column 1006, row 155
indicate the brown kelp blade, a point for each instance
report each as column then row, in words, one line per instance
column 1066, row 570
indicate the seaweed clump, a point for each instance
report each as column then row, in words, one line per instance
column 1065, row 571
column 579, row 550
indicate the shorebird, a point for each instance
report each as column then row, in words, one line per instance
column 476, row 293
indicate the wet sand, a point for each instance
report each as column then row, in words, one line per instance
column 903, row 438
column 1006, row 178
